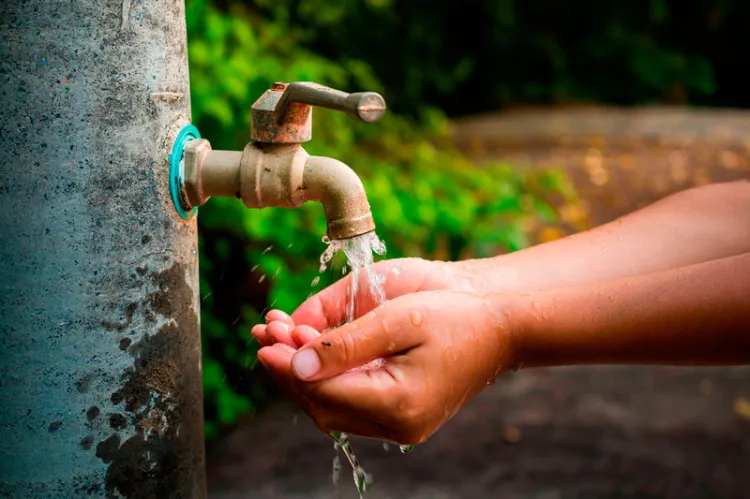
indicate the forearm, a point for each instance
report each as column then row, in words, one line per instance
column 689, row 227
column 695, row 315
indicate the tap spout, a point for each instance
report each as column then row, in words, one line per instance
column 281, row 176
column 286, row 176
column 342, row 195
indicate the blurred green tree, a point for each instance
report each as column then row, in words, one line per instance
column 477, row 56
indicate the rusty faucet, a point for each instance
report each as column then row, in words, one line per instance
column 274, row 170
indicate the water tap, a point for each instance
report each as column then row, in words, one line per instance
column 274, row 170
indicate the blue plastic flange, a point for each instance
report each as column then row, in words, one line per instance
column 177, row 167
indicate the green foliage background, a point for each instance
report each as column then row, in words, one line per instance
column 427, row 199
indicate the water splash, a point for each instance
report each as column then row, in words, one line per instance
column 362, row 480
column 359, row 253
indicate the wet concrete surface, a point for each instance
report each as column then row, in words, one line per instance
column 599, row 432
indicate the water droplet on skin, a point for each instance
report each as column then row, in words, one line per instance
column 416, row 317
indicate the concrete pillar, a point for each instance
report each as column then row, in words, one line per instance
column 100, row 378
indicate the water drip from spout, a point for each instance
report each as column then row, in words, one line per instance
column 359, row 253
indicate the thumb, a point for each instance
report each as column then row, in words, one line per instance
column 377, row 335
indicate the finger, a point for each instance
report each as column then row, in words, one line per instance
column 330, row 307
column 329, row 403
column 302, row 335
column 325, row 309
column 379, row 334
column 278, row 315
column 259, row 333
column 280, row 332
column 277, row 359
column 373, row 392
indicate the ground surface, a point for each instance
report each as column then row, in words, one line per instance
column 583, row 432
column 595, row 432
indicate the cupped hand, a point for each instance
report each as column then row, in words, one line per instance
column 429, row 353
column 329, row 307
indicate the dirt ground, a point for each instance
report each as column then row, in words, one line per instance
column 595, row 432
column 544, row 434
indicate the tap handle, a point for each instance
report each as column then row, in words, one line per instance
column 365, row 106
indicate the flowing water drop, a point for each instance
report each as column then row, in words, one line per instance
column 416, row 317
column 361, row 479
column 315, row 281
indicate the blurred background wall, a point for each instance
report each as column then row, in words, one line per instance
column 509, row 123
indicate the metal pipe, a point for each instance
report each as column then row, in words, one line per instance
column 281, row 176
column 99, row 331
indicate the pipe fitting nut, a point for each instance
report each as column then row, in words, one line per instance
column 194, row 154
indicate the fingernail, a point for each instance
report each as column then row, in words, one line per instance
column 306, row 363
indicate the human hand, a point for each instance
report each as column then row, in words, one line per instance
column 329, row 307
column 437, row 350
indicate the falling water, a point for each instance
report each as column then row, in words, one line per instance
column 359, row 252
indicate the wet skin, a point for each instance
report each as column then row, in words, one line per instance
column 665, row 285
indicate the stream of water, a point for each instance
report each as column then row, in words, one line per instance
column 359, row 253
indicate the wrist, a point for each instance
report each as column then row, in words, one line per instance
column 515, row 315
